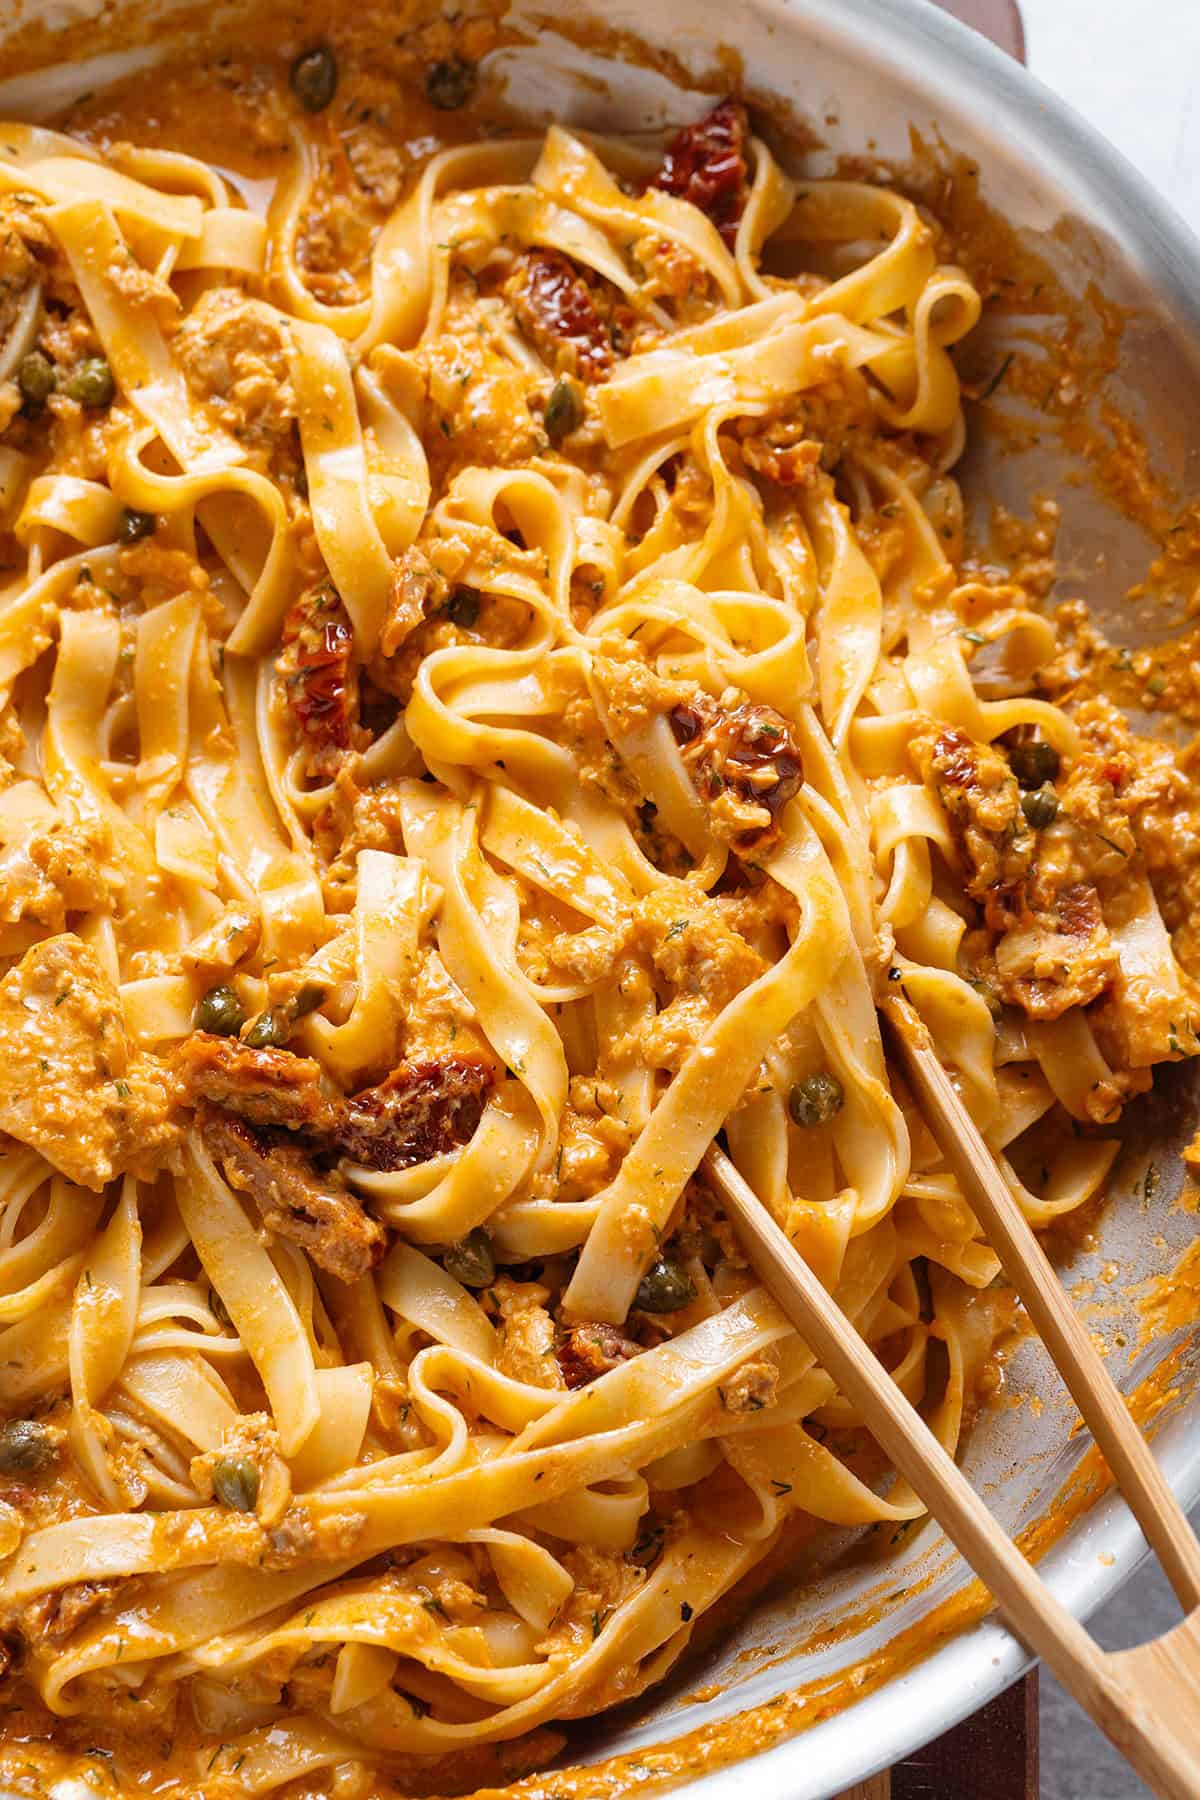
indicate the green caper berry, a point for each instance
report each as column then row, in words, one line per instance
column 91, row 383
column 989, row 996
column 35, row 378
column 315, row 78
column 1041, row 808
column 26, row 1448
column 135, row 525
column 266, row 1032
column 815, row 1100
column 473, row 1261
column 306, row 999
column 564, row 410
column 235, row 1483
column 219, row 1012
column 449, row 84
column 462, row 608
column 1034, row 763
column 665, row 1287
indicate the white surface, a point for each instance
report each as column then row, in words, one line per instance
column 1132, row 68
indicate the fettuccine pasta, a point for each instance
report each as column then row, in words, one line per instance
column 493, row 691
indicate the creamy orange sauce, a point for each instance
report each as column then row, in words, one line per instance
column 225, row 108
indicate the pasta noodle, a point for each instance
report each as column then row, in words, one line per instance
column 485, row 713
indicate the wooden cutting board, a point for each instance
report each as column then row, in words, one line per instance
column 991, row 1756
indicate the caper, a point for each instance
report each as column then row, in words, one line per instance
column 665, row 1287
column 1041, row 808
column 306, row 999
column 91, row 382
column 473, row 1261
column 35, row 378
column 450, row 84
column 1034, row 762
column 26, row 1448
column 135, row 525
column 988, row 994
column 235, row 1483
column 220, row 1011
column 815, row 1100
column 267, row 1031
column 315, row 78
column 564, row 410
column 462, row 608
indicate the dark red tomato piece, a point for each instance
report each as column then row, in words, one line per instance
column 317, row 666
column 557, row 311
column 705, row 163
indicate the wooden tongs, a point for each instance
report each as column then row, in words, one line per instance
column 1146, row 1701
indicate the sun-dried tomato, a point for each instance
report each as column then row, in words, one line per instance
column 749, row 752
column 557, row 310
column 705, row 163
column 592, row 1349
column 421, row 1110
column 316, row 664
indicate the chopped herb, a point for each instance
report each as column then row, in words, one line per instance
column 973, row 637
column 649, row 1544
column 674, row 929
column 782, row 1487
column 123, row 1089
column 998, row 377
column 685, row 1611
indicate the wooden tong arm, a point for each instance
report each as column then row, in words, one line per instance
column 1110, row 1688
column 1142, row 1482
